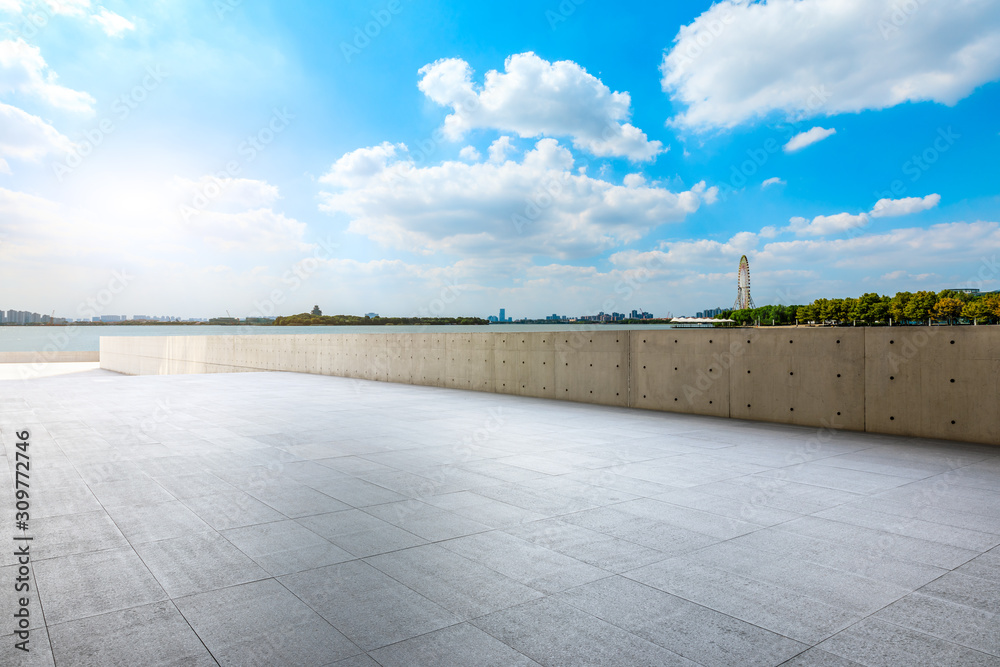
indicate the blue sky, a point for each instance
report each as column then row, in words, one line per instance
column 434, row 158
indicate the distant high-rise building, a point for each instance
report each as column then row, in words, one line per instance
column 503, row 315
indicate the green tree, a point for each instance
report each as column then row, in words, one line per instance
column 898, row 304
column 316, row 311
column 870, row 308
column 947, row 309
column 979, row 309
column 835, row 310
column 920, row 306
column 806, row 313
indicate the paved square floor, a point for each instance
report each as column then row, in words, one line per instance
column 289, row 519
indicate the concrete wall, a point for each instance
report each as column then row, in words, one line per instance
column 939, row 382
column 46, row 357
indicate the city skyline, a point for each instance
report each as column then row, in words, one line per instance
column 440, row 159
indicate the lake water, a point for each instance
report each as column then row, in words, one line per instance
column 87, row 338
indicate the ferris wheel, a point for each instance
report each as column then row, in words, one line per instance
column 743, row 298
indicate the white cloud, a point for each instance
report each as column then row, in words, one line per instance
column 536, row 207
column 533, row 98
column 774, row 180
column 238, row 215
column 823, row 57
column 634, row 180
column 68, row 7
column 10, row 6
column 499, row 149
column 27, row 137
column 768, row 232
column 888, row 208
column 470, row 153
column 822, row 225
column 112, row 24
column 23, row 70
column 808, row 138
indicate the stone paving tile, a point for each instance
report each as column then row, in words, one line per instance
column 877, row 643
column 431, row 523
column 769, row 606
column 87, row 584
column 154, row 634
column 460, row 585
column 231, row 509
column 554, row 633
column 686, row 535
column 149, row 523
column 197, row 563
column 359, row 533
column 535, row 566
column 597, row 549
column 284, row 547
column 262, row 623
column 69, row 534
column 368, row 607
column 688, row 629
column 456, row 646
column 958, row 623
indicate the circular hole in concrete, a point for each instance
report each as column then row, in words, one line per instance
column 953, row 379
column 645, row 397
column 892, row 377
column 791, row 409
column 838, row 374
column 838, row 414
column 710, row 402
column 892, row 419
column 952, row 421
column 748, row 405
column 952, row 342
column 791, row 373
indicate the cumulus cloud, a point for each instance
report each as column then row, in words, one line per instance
column 470, row 153
column 774, row 180
column 500, row 148
column 23, row 70
column 822, row 225
column 808, row 138
column 538, row 206
column 27, row 137
column 820, row 57
column 68, row 7
column 112, row 24
column 236, row 214
column 888, row 208
column 533, row 98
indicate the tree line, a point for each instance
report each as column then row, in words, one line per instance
column 309, row 319
column 949, row 306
